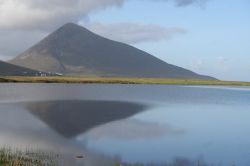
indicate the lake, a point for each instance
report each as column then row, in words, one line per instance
column 149, row 124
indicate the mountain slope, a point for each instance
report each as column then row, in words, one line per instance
column 7, row 69
column 74, row 50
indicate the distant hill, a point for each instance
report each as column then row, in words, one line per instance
column 74, row 50
column 7, row 69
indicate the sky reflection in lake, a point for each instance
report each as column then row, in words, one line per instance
column 136, row 123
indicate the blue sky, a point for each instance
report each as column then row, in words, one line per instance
column 217, row 41
column 210, row 37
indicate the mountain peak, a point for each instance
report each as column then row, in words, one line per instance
column 71, row 25
column 70, row 28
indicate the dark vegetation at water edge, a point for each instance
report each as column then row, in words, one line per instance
column 33, row 158
column 118, row 80
column 28, row 158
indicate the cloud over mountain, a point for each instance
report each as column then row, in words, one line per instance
column 39, row 13
column 31, row 20
column 12, row 42
column 34, row 14
column 133, row 33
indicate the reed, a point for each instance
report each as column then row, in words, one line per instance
column 10, row 157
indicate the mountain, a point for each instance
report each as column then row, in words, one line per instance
column 74, row 50
column 7, row 69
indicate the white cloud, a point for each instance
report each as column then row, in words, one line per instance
column 221, row 64
column 201, row 3
column 14, row 42
column 182, row 3
column 42, row 13
column 221, row 60
column 4, row 58
column 197, row 64
column 132, row 33
column 23, row 22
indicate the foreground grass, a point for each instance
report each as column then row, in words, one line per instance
column 113, row 80
column 35, row 158
column 29, row 158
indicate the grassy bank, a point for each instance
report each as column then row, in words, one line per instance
column 35, row 158
column 102, row 80
column 17, row 158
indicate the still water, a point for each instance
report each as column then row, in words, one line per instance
column 158, row 124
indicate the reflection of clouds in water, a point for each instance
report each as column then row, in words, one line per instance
column 50, row 142
column 15, row 117
column 132, row 129
column 35, row 126
column 39, row 130
column 194, row 109
column 40, row 139
column 20, row 130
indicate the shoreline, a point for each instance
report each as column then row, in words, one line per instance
column 117, row 80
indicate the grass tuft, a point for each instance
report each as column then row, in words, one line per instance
column 28, row 158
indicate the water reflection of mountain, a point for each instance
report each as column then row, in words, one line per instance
column 71, row 118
